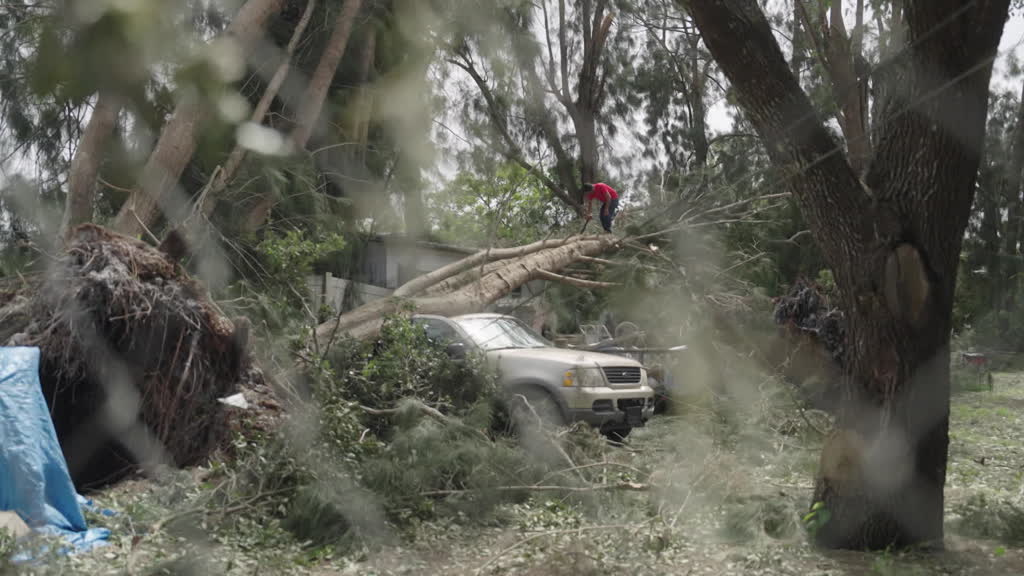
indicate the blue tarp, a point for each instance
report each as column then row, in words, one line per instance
column 34, row 478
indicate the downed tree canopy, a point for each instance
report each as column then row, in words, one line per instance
column 134, row 356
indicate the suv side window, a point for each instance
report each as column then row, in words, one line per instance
column 438, row 331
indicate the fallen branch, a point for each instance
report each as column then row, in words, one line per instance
column 429, row 411
column 627, row 486
column 602, row 261
column 578, row 282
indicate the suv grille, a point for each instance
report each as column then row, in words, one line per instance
column 622, row 374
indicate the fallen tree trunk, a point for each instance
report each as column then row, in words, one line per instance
column 494, row 281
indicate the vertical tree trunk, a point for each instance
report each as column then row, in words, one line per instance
column 312, row 102
column 848, row 89
column 155, row 190
column 1015, row 211
column 237, row 155
column 86, row 163
column 320, row 83
column 893, row 244
column 798, row 59
column 590, row 91
column 989, row 234
column 698, row 110
column 360, row 130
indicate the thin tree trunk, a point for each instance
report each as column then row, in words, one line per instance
column 798, row 59
column 848, row 89
column 86, row 163
column 237, row 155
column 320, row 83
column 360, row 130
column 157, row 185
column 589, row 93
column 894, row 247
column 1015, row 210
column 312, row 102
column 988, row 232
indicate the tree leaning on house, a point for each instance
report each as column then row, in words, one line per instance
column 892, row 240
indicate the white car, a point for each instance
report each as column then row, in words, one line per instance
column 562, row 385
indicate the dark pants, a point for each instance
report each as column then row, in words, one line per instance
column 606, row 219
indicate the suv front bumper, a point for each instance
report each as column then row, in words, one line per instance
column 604, row 407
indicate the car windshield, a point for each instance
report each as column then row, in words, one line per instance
column 498, row 333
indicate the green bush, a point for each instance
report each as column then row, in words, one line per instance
column 403, row 363
column 394, row 432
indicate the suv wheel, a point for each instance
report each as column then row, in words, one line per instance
column 618, row 433
column 538, row 404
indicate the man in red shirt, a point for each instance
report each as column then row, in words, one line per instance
column 608, row 198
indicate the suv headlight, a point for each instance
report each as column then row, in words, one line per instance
column 584, row 377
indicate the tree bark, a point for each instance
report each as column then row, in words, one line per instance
column 893, row 246
column 156, row 189
column 590, row 91
column 312, row 102
column 86, row 163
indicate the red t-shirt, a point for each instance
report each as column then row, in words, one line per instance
column 601, row 193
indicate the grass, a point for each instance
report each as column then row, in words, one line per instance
column 718, row 506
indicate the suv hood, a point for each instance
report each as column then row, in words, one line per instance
column 563, row 356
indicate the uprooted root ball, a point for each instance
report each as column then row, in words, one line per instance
column 134, row 357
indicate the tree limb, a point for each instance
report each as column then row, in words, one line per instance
column 578, row 282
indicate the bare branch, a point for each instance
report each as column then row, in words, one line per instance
column 578, row 282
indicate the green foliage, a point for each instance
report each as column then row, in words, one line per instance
column 496, row 205
column 818, row 516
column 292, row 254
column 403, row 363
column 7, row 549
column 347, row 472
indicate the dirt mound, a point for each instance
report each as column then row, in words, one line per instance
column 134, row 356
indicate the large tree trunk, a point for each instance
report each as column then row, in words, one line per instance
column 86, row 164
column 477, row 289
column 893, row 245
column 312, row 102
column 158, row 183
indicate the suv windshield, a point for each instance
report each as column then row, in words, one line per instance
column 497, row 333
